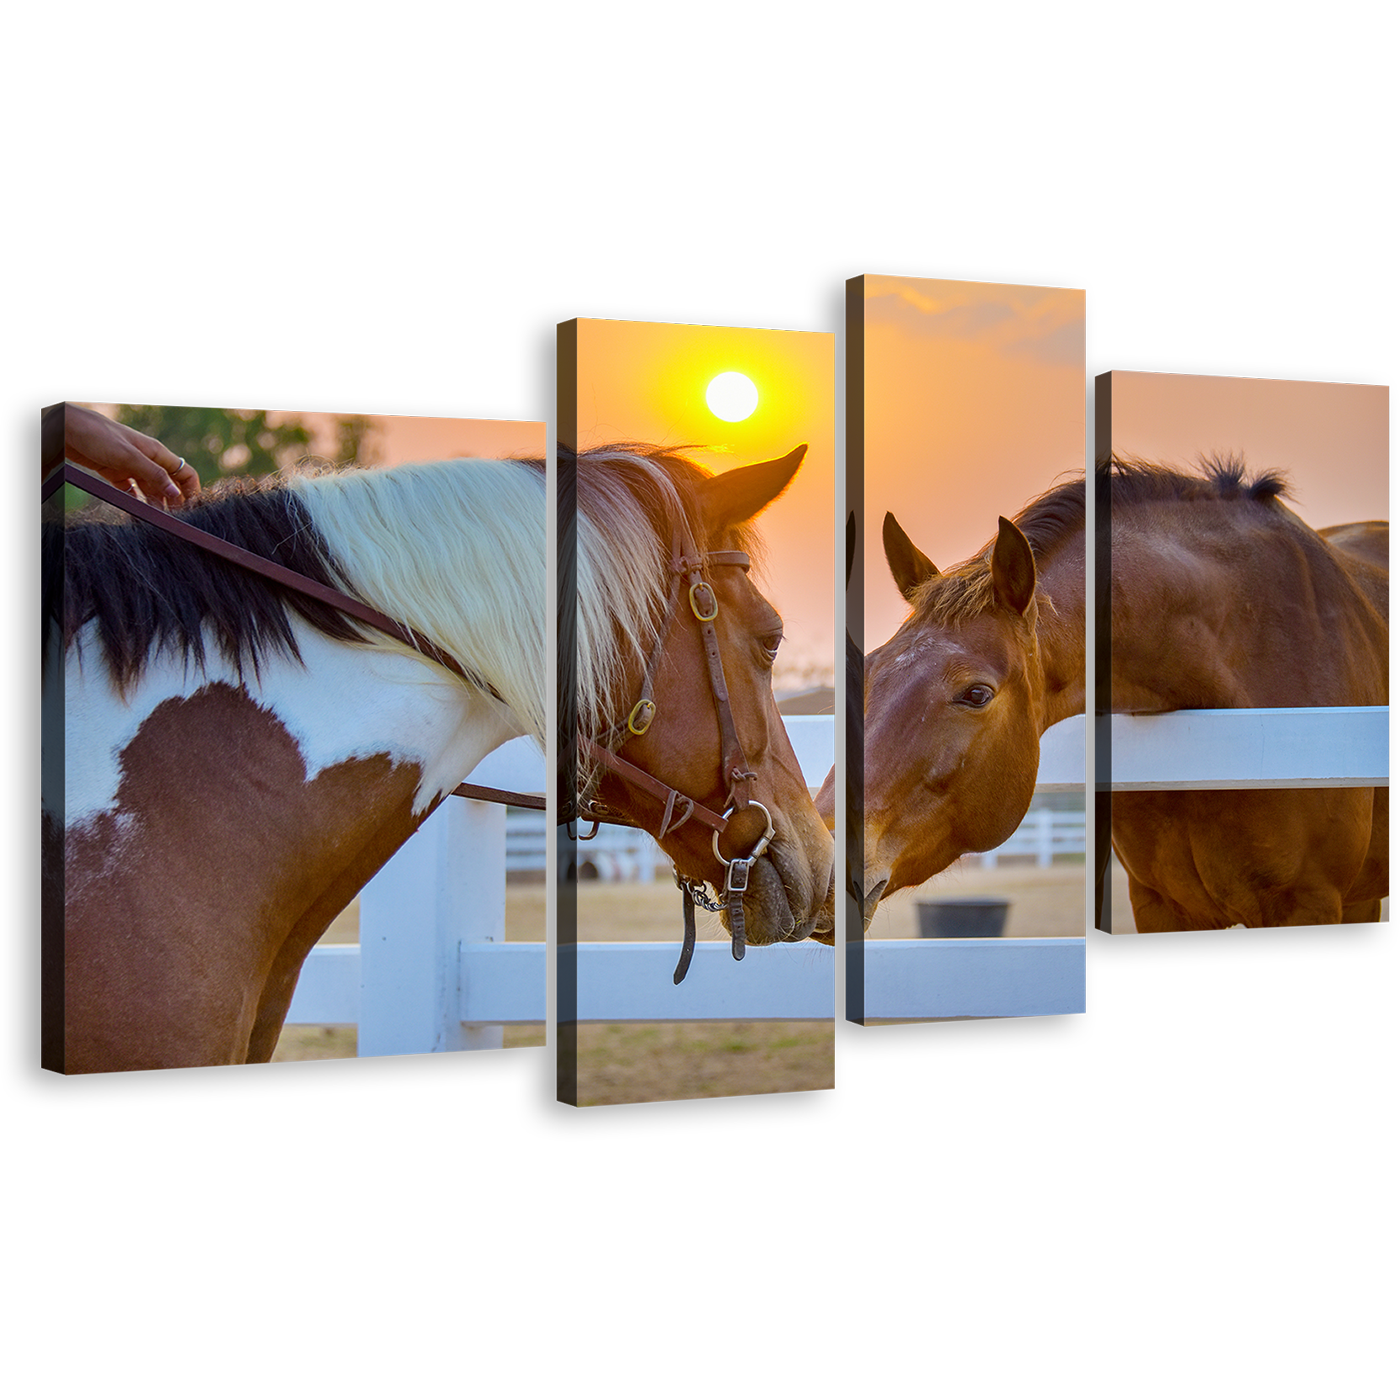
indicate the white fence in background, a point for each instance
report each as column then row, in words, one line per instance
column 1043, row 835
column 1062, row 757
column 1343, row 746
column 432, row 970
column 923, row 978
column 443, row 892
column 1216, row 750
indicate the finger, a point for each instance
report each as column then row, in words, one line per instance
column 154, row 481
column 172, row 480
column 186, row 479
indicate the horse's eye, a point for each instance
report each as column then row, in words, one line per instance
column 976, row 696
column 771, row 644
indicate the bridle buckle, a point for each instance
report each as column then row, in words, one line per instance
column 695, row 604
column 643, row 712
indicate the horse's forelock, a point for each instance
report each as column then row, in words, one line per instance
column 964, row 592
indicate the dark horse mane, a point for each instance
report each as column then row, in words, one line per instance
column 1220, row 477
column 147, row 591
column 965, row 591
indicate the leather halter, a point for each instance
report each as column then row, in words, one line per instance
column 70, row 475
column 687, row 567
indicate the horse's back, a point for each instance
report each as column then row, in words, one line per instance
column 1364, row 547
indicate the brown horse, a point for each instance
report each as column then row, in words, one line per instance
column 227, row 762
column 956, row 701
column 647, row 691
column 1222, row 598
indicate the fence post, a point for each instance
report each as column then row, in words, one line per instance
column 444, row 887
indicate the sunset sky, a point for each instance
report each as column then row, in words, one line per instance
column 401, row 440
column 974, row 404
column 646, row 382
column 1332, row 441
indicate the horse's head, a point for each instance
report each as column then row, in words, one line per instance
column 953, row 709
column 706, row 650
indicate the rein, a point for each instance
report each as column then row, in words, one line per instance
column 687, row 565
column 70, row 475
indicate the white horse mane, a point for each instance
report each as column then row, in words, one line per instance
column 457, row 551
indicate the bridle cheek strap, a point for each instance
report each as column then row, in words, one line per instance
column 734, row 765
column 738, row 778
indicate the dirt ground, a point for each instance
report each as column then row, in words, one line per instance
column 1048, row 903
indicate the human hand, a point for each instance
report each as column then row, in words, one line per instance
column 121, row 455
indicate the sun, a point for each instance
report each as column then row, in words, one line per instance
column 732, row 396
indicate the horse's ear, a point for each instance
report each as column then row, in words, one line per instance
column 1013, row 568
column 909, row 565
column 735, row 496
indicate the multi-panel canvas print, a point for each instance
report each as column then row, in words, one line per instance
column 297, row 675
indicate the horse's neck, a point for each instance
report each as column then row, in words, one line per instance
column 1060, row 632
column 385, row 702
column 1224, row 615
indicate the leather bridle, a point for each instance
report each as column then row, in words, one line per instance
column 687, row 569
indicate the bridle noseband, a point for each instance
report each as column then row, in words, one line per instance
column 687, row 568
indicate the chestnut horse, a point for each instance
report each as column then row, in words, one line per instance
column 1222, row 598
column 229, row 762
column 639, row 511
column 956, row 701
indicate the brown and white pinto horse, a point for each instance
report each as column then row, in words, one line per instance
column 634, row 503
column 956, row 701
column 1222, row 598
column 228, row 762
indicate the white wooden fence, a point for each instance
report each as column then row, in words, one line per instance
column 1344, row 746
column 432, row 970
column 1213, row 750
column 923, row 978
column 443, row 892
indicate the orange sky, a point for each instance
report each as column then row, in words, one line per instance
column 1332, row 441
column 974, row 405
column 640, row 381
column 426, row 439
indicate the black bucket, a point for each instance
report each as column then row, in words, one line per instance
column 963, row 918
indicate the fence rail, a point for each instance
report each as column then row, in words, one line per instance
column 922, row 979
column 432, row 970
column 1342, row 746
